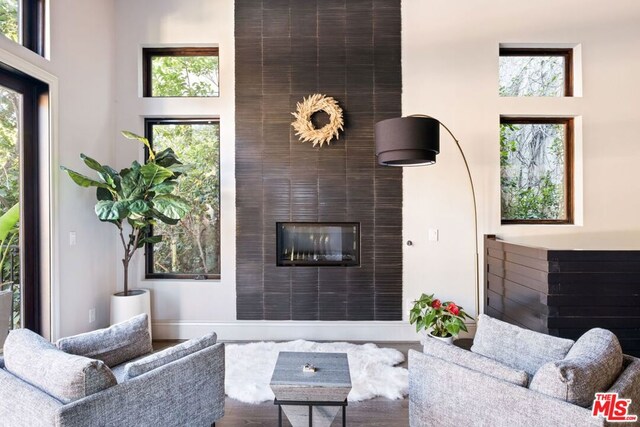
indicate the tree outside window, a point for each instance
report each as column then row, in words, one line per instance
column 190, row 249
column 535, row 72
column 180, row 72
column 535, row 170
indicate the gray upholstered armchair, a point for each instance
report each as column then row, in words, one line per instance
column 122, row 384
column 516, row 377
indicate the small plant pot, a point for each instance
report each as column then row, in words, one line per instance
column 446, row 340
column 124, row 307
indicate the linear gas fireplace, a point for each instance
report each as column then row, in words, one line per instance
column 318, row 244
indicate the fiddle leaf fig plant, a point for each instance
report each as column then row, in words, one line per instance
column 137, row 197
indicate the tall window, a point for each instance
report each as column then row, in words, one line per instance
column 536, row 156
column 20, row 100
column 23, row 22
column 536, row 72
column 180, row 72
column 190, row 249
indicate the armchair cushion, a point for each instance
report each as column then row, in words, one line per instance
column 153, row 361
column 64, row 376
column 517, row 347
column 475, row 362
column 117, row 344
column 592, row 365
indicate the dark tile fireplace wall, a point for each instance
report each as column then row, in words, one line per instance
column 286, row 50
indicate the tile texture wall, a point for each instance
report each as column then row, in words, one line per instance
column 286, row 50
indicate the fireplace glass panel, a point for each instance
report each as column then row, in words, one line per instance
column 318, row 244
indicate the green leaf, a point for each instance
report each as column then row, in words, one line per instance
column 139, row 207
column 453, row 328
column 155, row 174
column 103, row 194
column 171, row 206
column 167, row 158
column 130, row 183
column 93, row 164
column 106, row 173
column 164, row 218
column 108, row 210
column 145, row 141
column 151, row 240
column 165, row 187
column 84, row 181
column 9, row 220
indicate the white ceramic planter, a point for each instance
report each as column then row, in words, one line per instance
column 428, row 336
column 125, row 307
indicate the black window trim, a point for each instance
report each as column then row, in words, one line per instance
column 148, row 129
column 567, row 53
column 32, row 91
column 569, row 191
column 33, row 25
column 148, row 53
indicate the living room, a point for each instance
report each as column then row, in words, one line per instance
column 286, row 221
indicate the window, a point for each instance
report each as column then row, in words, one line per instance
column 180, row 72
column 23, row 22
column 20, row 100
column 536, row 72
column 536, row 156
column 190, row 249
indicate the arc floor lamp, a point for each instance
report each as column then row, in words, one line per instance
column 415, row 141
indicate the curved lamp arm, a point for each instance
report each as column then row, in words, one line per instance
column 475, row 207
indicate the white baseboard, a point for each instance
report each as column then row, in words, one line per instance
column 290, row 330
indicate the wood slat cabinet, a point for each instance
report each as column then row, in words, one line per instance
column 564, row 292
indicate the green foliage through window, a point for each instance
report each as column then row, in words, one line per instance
column 533, row 75
column 10, row 106
column 181, row 72
column 532, row 171
column 193, row 246
column 9, row 17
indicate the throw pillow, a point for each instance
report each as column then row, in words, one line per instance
column 517, row 347
column 114, row 345
column 475, row 362
column 591, row 366
column 64, row 376
column 171, row 354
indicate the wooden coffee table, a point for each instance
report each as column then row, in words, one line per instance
column 311, row 398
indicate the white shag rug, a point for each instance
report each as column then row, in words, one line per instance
column 373, row 372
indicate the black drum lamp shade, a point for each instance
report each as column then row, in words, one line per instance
column 415, row 141
column 407, row 141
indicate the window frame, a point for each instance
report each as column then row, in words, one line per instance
column 33, row 25
column 148, row 130
column 32, row 91
column 149, row 52
column 569, row 191
column 567, row 53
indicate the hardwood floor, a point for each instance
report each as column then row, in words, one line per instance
column 378, row 412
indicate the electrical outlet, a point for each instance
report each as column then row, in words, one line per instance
column 72, row 238
column 92, row 315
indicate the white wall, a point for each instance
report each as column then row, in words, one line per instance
column 82, row 56
column 450, row 66
column 81, row 73
column 144, row 23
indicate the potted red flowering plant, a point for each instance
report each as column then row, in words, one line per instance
column 439, row 319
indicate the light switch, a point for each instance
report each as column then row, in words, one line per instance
column 72, row 238
column 433, row 234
